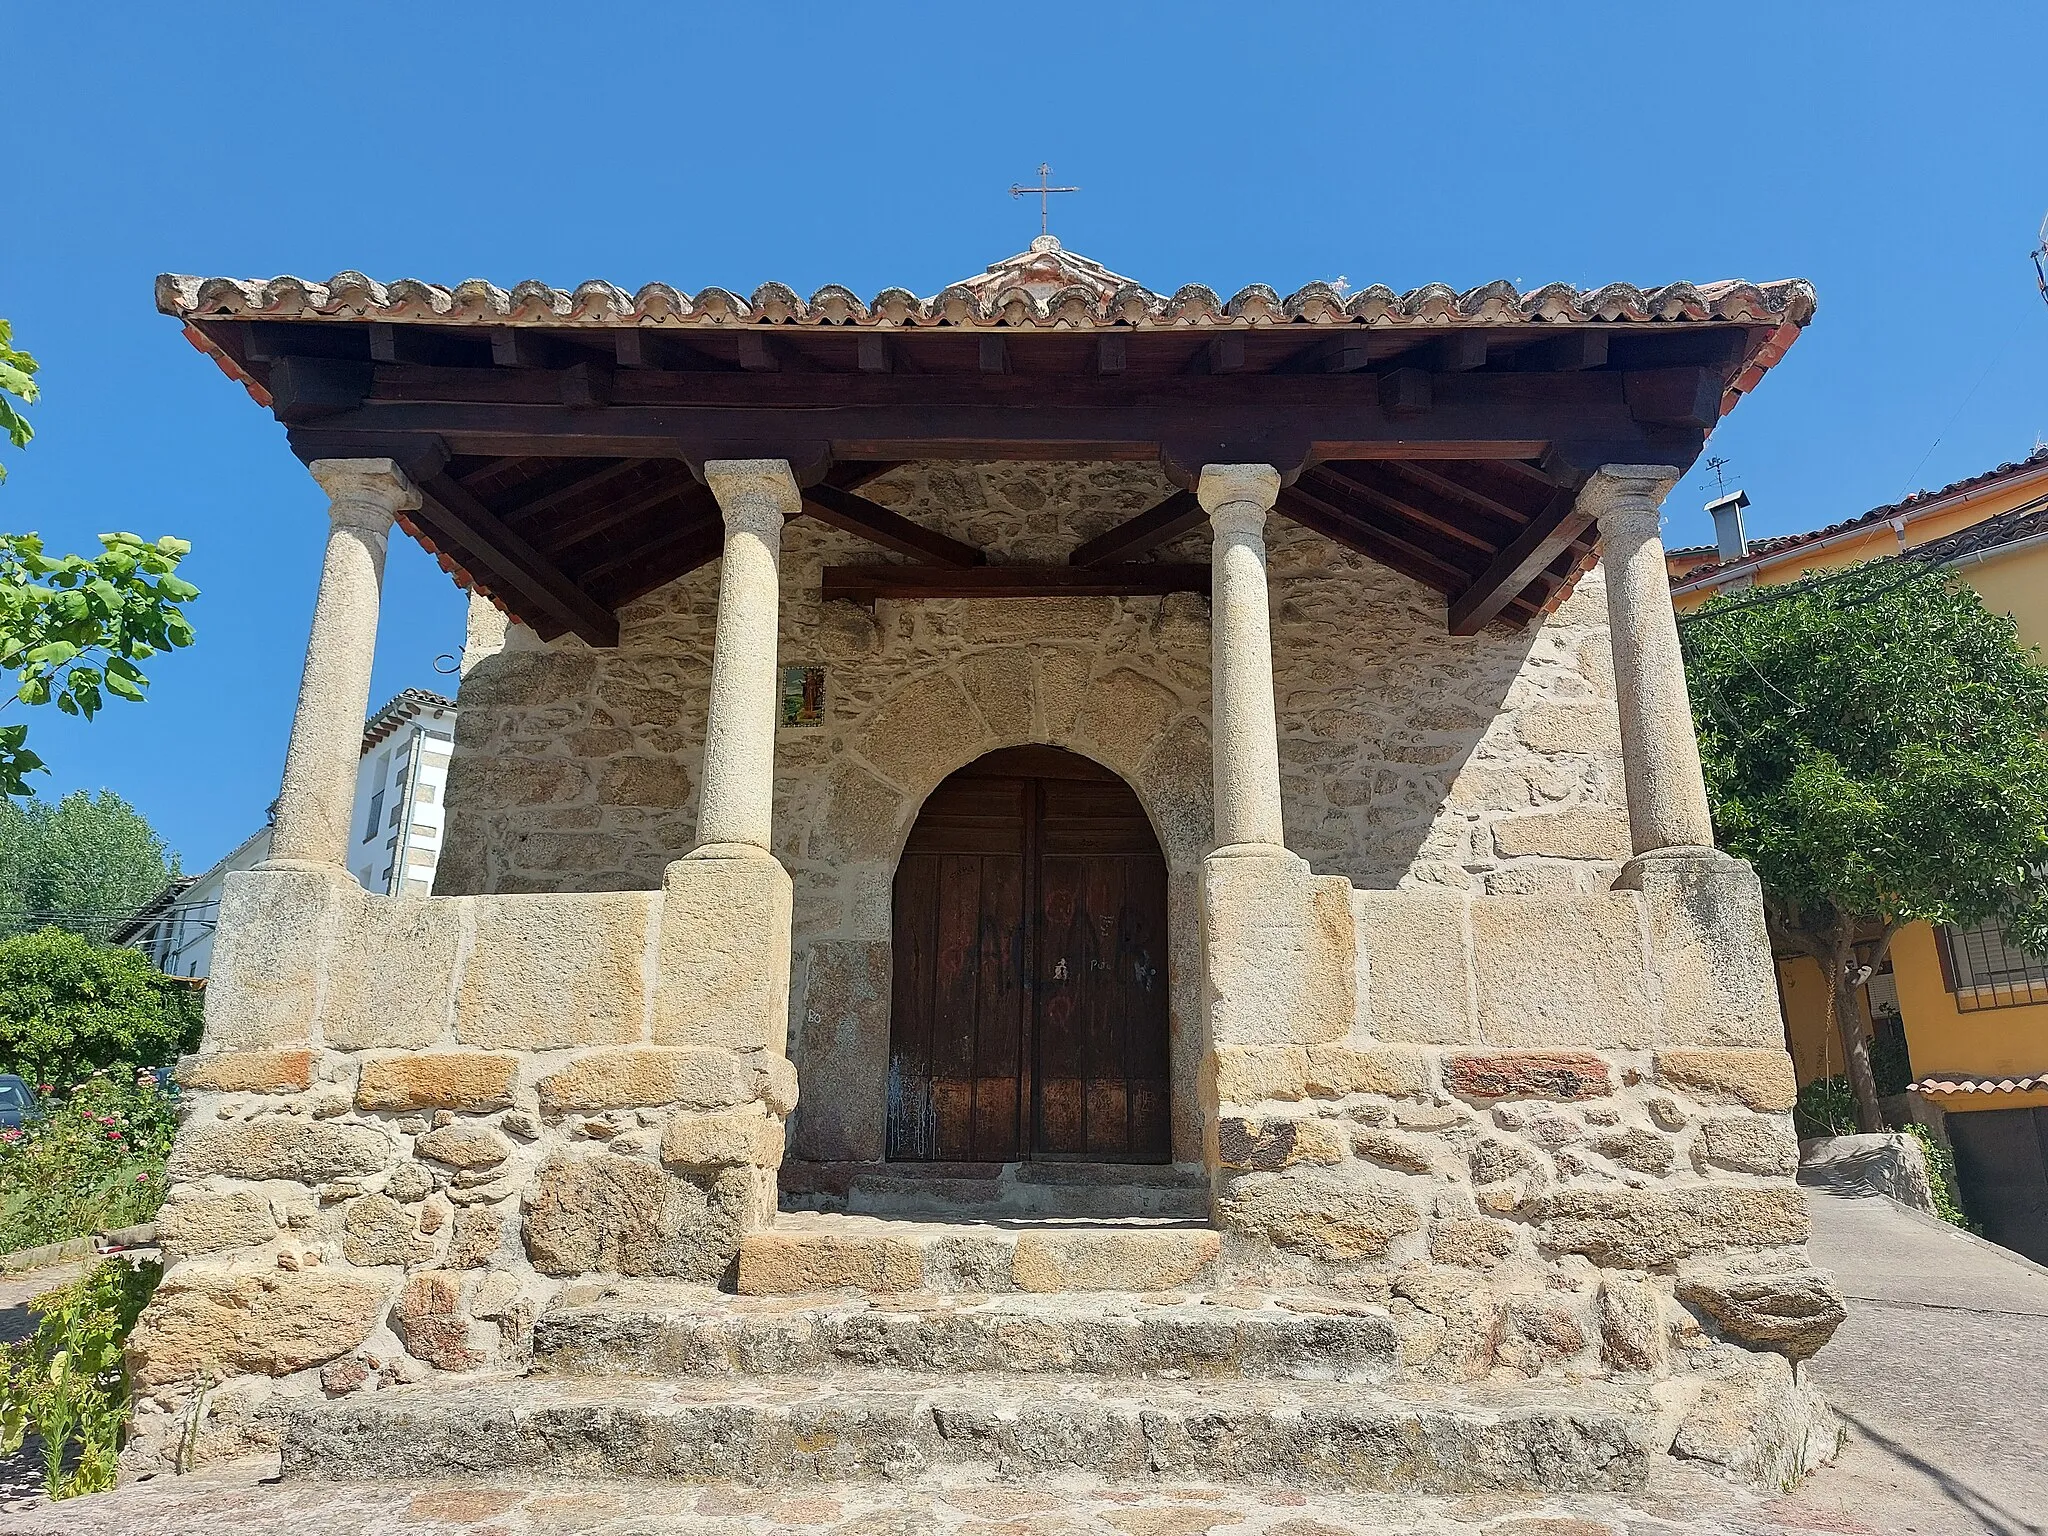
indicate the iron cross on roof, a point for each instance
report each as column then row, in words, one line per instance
column 1044, row 189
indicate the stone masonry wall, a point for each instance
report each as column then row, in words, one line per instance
column 414, row 1120
column 1409, row 757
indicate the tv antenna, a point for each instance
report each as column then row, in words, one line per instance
column 2040, row 255
column 1717, row 463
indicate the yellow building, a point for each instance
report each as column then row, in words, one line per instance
column 1970, row 1011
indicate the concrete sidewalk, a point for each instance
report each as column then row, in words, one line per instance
column 1941, row 1373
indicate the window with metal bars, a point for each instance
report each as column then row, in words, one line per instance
column 1984, row 970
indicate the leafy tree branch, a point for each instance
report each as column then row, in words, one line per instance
column 1877, row 746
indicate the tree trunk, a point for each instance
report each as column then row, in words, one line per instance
column 1841, row 956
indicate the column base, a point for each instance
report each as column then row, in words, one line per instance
column 1678, row 860
column 1252, row 851
column 753, row 851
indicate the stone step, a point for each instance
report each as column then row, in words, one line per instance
column 992, row 1191
column 642, row 1331
column 805, row 1252
column 792, row 1431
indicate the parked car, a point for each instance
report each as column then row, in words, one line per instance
column 17, row 1102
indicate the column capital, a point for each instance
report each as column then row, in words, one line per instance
column 365, row 493
column 1625, row 498
column 1237, row 497
column 754, row 495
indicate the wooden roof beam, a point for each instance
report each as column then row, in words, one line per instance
column 1156, row 525
column 864, row 519
column 513, row 568
column 1389, row 549
column 1336, row 488
column 1519, row 565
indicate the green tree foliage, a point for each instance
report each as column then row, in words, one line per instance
column 82, row 863
column 1877, row 746
column 74, row 627
column 69, row 1006
column 17, row 378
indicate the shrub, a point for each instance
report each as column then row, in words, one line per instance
column 1941, row 1179
column 68, row 1383
column 69, row 1006
column 92, row 1161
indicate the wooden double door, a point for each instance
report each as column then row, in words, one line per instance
column 1029, row 1013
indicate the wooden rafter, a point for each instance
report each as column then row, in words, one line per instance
column 1156, row 525
column 869, row 520
column 1388, row 548
column 1360, row 485
column 1515, row 567
column 514, row 568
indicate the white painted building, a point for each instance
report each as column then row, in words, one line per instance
column 399, row 817
column 394, row 847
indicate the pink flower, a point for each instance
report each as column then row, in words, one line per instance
column 142, row 1178
column 113, row 1135
column 10, row 1135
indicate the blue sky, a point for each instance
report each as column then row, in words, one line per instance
column 1892, row 154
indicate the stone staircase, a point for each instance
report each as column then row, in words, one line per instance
column 652, row 1381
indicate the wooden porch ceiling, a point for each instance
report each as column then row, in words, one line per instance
column 560, row 466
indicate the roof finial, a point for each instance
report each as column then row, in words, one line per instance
column 1044, row 189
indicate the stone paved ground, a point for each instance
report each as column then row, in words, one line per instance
column 1942, row 1371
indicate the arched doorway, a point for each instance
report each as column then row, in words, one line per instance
column 1029, row 1014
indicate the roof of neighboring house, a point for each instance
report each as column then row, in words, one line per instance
column 1918, row 505
column 404, row 705
column 1968, row 1082
column 152, row 909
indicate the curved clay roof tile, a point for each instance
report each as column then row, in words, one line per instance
column 722, row 307
column 1497, row 302
column 659, row 302
column 1430, row 302
column 835, row 305
column 1193, row 303
column 1314, row 302
column 599, row 300
column 1553, row 303
column 1255, row 302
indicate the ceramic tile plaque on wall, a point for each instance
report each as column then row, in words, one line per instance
column 803, row 695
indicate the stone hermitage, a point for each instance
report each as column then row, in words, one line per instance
column 1463, row 1010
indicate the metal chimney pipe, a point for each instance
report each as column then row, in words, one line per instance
column 1728, row 534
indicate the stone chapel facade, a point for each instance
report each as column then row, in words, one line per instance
column 1058, row 957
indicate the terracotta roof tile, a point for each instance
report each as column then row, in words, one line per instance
column 1962, row 1082
column 1046, row 287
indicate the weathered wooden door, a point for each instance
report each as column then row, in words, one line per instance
column 1029, row 1014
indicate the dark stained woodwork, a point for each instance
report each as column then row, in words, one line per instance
column 1459, row 352
column 758, row 353
column 687, row 545
column 515, row 565
column 1674, row 397
column 309, row 388
column 1162, row 524
column 1140, row 578
column 1405, row 392
column 1572, row 352
column 1029, row 1002
column 586, row 384
column 1346, row 354
column 1373, row 485
column 1434, row 450
column 570, row 481
column 865, row 519
column 1444, row 486
column 1516, row 566
column 1389, row 549
column 515, row 346
column 1226, row 354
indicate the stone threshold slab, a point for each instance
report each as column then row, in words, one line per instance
column 797, row 1430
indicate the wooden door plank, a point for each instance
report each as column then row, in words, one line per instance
column 999, row 1009
column 914, row 915
column 954, row 988
column 1059, row 1091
